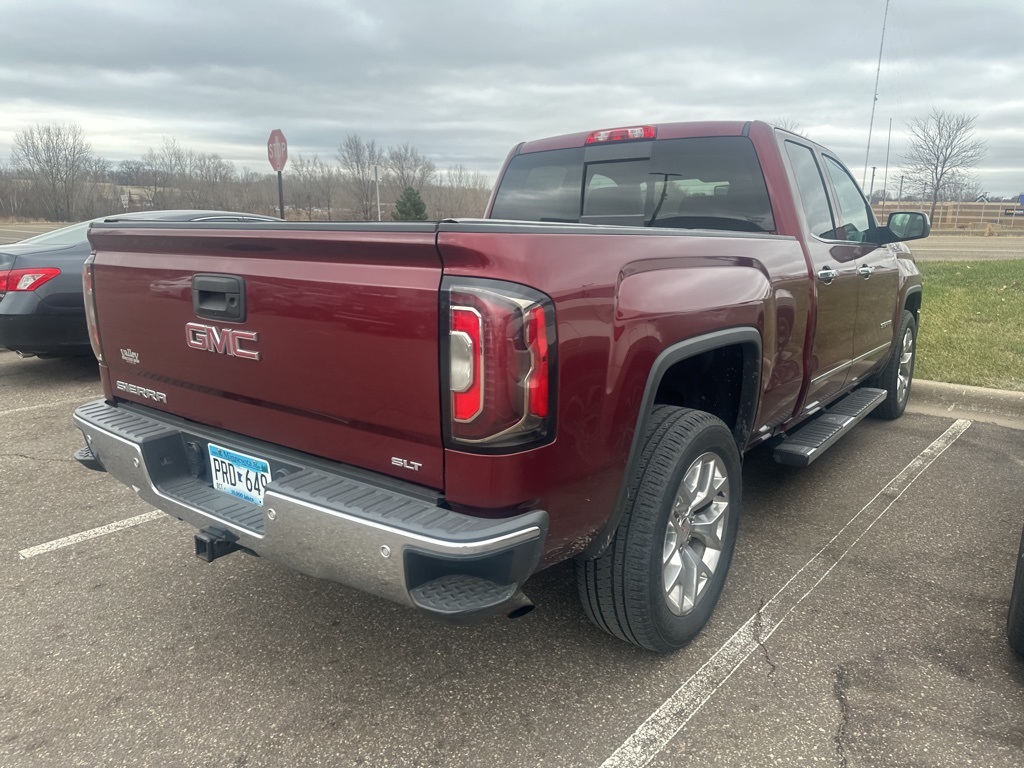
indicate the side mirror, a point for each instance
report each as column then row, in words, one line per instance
column 906, row 225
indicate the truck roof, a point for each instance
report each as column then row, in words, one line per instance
column 684, row 130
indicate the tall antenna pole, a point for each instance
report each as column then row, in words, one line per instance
column 878, row 72
column 885, row 179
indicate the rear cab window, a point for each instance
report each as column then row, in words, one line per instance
column 693, row 183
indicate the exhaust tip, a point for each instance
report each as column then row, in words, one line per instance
column 519, row 606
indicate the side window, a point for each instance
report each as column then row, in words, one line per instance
column 852, row 206
column 811, row 187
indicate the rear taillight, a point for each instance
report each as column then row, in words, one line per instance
column 537, row 341
column 465, row 342
column 499, row 366
column 633, row 133
column 90, row 307
column 26, row 279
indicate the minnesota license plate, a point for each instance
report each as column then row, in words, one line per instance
column 244, row 477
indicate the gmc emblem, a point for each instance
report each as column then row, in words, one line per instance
column 223, row 341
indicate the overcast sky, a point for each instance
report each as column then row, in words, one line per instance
column 464, row 81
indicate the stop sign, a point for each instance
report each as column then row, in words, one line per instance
column 277, row 150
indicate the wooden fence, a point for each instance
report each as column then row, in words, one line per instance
column 967, row 218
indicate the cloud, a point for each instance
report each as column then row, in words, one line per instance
column 464, row 81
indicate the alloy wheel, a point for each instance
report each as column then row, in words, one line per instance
column 693, row 537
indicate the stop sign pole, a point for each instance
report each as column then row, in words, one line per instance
column 277, row 153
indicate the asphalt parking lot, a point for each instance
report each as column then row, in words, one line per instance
column 863, row 624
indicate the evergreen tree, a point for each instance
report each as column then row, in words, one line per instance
column 410, row 206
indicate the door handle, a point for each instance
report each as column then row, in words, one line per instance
column 865, row 270
column 827, row 274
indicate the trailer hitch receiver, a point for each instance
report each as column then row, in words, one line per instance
column 212, row 543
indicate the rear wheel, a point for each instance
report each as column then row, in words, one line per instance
column 898, row 374
column 1015, row 620
column 657, row 583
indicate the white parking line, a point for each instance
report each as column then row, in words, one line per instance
column 44, row 405
column 672, row 716
column 103, row 530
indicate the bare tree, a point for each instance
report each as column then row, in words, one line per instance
column 408, row 168
column 163, row 168
column 458, row 193
column 256, row 192
column 326, row 182
column 962, row 186
column 789, row 125
column 98, row 197
column 204, row 179
column 131, row 173
column 357, row 159
column 54, row 158
column 301, row 187
column 11, row 192
column 941, row 145
column 314, row 186
column 177, row 175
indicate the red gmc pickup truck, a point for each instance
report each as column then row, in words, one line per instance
column 432, row 412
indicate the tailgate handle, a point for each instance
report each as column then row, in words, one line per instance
column 219, row 297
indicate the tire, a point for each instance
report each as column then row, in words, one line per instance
column 1015, row 619
column 898, row 375
column 659, row 580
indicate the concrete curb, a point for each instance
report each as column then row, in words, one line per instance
column 998, row 406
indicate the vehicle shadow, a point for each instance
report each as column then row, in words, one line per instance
column 34, row 371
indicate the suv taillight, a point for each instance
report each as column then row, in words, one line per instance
column 498, row 365
column 90, row 307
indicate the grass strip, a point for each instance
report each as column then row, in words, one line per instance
column 972, row 323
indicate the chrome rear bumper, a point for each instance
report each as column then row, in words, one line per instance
column 326, row 520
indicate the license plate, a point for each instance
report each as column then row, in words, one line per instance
column 244, row 477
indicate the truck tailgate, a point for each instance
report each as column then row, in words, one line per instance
column 337, row 353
